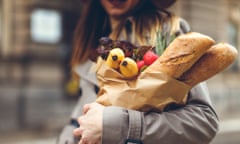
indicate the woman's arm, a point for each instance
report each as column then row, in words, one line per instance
column 194, row 123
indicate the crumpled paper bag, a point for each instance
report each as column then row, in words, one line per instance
column 149, row 91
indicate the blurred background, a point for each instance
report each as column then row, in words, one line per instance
column 37, row 93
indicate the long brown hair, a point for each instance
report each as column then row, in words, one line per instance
column 94, row 24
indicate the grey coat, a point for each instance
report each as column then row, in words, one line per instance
column 195, row 123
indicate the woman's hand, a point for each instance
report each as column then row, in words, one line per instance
column 90, row 129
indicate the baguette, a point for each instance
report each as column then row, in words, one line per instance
column 181, row 54
column 215, row 60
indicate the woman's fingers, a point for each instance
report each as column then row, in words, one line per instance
column 86, row 107
column 90, row 124
column 84, row 140
column 77, row 132
column 89, row 106
column 81, row 142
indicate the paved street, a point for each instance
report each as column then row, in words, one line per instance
column 28, row 137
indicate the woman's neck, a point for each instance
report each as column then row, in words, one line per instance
column 115, row 25
column 115, row 22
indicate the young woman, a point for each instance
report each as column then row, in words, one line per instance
column 136, row 21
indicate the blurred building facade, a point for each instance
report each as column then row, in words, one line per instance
column 219, row 19
column 35, row 45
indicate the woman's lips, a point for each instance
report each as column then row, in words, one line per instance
column 117, row 3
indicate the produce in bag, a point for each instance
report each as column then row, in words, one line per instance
column 168, row 79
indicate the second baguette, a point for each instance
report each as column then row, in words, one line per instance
column 215, row 60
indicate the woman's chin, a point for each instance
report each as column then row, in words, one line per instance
column 117, row 14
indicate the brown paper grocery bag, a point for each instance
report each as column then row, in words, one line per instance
column 150, row 91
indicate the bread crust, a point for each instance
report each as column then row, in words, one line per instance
column 181, row 54
column 215, row 60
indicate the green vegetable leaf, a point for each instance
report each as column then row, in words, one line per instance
column 161, row 42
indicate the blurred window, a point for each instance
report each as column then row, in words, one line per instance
column 46, row 26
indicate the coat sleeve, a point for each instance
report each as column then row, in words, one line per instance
column 194, row 123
